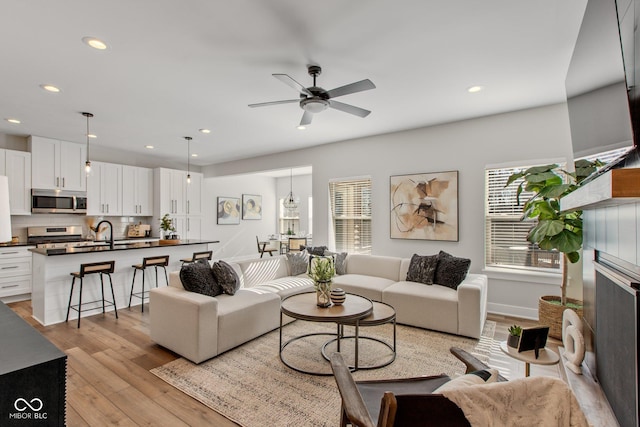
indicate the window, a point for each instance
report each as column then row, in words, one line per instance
column 350, row 202
column 289, row 219
column 607, row 156
column 506, row 242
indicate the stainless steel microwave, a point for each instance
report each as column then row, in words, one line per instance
column 55, row 201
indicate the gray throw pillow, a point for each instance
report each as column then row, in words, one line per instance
column 422, row 269
column 298, row 262
column 339, row 261
column 198, row 277
column 314, row 250
column 226, row 276
column 451, row 270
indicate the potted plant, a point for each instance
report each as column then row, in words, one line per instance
column 514, row 336
column 556, row 230
column 166, row 225
column 322, row 272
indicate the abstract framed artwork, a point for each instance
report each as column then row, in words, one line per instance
column 228, row 210
column 251, row 206
column 424, row 206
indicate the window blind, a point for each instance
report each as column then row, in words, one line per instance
column 506, row 242
column 350, row 202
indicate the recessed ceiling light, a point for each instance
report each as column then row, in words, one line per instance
column 14, row 121
column 301, row 128
column 50, row 88
column 94, row 43
column 194, row 155
column 475, row 89
column 91, row 136
column 205, row 131
column 150, row 147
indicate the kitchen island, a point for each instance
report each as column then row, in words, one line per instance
column 52, row 279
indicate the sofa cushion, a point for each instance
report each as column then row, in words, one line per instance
column 339, row 261
column 375, row 265
column 422, row 269
column 314, row 250
column 198, row 277
column 367, row 286
column 253, row 272
column 298, row 262
column 451, row 270
column 226, row 276
column 285, row 286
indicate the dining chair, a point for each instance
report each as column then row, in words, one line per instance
column 295, row 243
column 263, row 247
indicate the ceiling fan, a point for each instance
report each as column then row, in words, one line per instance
column 315, row 99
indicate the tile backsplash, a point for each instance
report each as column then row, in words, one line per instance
column 19, row 223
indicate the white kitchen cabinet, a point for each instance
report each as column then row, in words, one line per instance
column 137, row 191
column 104, row 193
column 18, row 170
column 194, row 194
column 57, row 165
column 15, row 272
column 2, row 158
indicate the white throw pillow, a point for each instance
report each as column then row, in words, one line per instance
column 484, row 376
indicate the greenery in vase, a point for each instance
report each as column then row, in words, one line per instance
column 556, row 229
column 515, row 330
column 166, row 224
column 322, row 271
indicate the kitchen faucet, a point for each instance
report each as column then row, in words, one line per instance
column 110, row 230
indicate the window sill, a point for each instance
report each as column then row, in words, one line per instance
column 523, row 275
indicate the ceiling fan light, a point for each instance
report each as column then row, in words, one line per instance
column 314, row 105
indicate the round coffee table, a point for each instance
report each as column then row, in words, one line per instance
column 545, row 356
column 382, row 313
column 303, row 307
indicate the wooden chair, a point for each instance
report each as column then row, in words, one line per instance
column 160, row 261
column 399, row 402
column 296, row 242
column 197, row 256
column 262, row 248
column 101, row 268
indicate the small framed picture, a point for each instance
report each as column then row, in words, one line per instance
column 228, row 210
column 533, row 339
column 251, row 206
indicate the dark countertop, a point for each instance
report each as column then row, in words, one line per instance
column 14, row 245
column 119, row 247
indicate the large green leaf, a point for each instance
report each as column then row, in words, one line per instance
column 540, row 169
column 573, row 257
column 514, row 177
column 542, row 177
column 567, row 242
column 545, row 229
column 554, row 191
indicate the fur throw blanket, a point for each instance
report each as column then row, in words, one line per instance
column 526, row 402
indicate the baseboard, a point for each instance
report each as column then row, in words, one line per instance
column 513, row 311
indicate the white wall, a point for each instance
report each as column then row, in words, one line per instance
column 238, row 240
column 467, row 146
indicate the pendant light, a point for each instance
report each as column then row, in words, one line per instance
column 291, row 201
column 188, row 138
column 87, row 164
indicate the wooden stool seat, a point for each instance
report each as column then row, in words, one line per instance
column 101, row 268
column 198, row 256
column 160, row 261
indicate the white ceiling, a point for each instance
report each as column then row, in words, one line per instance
column 174, row 67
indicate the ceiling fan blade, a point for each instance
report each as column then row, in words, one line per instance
column 286, row 79
column 360, row 86
column 351, row 109
column 265, row 104
column 306, row 118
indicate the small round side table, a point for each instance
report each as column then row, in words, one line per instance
column 545, row 356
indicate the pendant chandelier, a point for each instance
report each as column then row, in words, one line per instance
column 188, row 138
column 291, row 201
column 87, row 163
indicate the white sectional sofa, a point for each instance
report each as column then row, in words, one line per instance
column 199, row 327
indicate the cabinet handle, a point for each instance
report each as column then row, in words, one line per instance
column 107, row 207
column 63, row 182
column 9, row 268
column 8, row 253
column 57, row 181
column 102, row 208
column 188, row 207
column 10, row 286
column 188, row 224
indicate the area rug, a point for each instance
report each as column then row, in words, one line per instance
column 252, row 387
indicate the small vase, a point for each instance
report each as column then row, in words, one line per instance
column 513, row 341
column 323, row 294
column 338, row 296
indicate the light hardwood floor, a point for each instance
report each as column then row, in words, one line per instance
column 108, row 378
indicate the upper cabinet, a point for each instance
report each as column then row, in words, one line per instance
column 172, row 191
column 182, row 201
column 104, row 194
column 137, row 191
column 18, row 171
column 16, row 165
column 57, row 165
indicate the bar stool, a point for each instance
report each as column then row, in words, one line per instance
column 102, row 268
column 154, row 261
column 198, row 255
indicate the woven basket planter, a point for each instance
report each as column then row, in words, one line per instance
column 550, row 314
